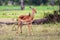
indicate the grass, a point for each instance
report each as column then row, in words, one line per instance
column 27, row 7
column 11, row 12
column 40, row 32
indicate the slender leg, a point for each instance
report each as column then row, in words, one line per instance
column 21, row 28
column 30, row 28
column 18, row 28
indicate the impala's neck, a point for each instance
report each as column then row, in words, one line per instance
column 32, row 15
column 33, row 12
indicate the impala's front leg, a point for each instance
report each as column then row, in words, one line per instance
column 30, row 28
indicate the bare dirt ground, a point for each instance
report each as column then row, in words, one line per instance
column 7, row 20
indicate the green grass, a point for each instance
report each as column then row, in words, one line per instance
column 27, row 7
column 13, row 13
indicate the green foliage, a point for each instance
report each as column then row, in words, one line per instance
column 36, row 2
column 29, row 2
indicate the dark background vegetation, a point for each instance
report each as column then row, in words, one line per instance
column 29, row 2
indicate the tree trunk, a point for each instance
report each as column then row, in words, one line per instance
column 52, row 2
column 9, row 3
column 0, row 2
column 22, row 4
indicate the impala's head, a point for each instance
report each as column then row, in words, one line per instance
column 33, row 10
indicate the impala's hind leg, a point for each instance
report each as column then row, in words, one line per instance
column 19, row 28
